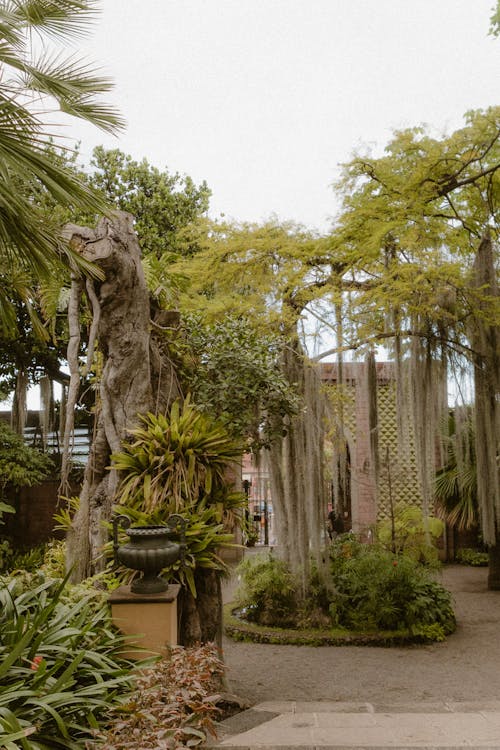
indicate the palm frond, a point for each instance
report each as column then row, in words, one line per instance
column 56, row 18
column 74, row 85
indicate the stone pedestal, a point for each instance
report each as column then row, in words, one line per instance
column 148, row 620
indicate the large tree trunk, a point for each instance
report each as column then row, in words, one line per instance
column 485, row 341
column 494, row 566
column 137, row 377
column 200, row 619
column 125, row 384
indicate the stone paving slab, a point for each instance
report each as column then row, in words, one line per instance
column 280, row 725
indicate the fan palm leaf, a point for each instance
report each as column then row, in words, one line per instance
column 456, row 490
column 31, row 85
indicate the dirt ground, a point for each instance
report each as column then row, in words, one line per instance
column 466, row 667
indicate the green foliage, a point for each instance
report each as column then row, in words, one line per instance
column 20, row 465
column 33, row 85
column 49, row 558
column 161, row 203
column 474, row 557
column 6, row 553
column 376, row 590
column 175, row 702
column 233, row 371
column 177, row 463
column 5, row 508
column 174, row 460
column 411, row 534
column 495, row 20
column 60, row 669
column 268, row 595
column 63, row 517
column 259, row 272
column 456, row 483
column 367, row 589
column 412, row 220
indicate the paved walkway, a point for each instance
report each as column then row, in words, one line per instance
column 363, row 726
column 404, row 724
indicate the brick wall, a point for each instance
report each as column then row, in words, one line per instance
column 33, row 521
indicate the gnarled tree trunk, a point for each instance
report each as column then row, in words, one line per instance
column 137, row 377
column 125, row 384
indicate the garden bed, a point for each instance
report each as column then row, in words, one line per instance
column 241, row 630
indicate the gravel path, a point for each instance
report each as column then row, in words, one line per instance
column 466, row 667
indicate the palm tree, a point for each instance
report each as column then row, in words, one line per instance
column 456, row 482
column 36, row 81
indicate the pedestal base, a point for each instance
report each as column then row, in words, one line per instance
column 148, row 620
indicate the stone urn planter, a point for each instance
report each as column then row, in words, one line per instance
column 149, row 550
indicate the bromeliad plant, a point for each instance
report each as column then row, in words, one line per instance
column 174, row 460
column 178, row 463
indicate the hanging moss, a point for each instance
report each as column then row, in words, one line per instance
column 297, row 468
column 485, row 341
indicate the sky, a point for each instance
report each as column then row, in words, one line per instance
column 264, row 99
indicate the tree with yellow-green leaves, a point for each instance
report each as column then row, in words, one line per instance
column 410, row 265
column 419, row 230
column 269, row 274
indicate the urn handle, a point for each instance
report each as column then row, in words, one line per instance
column 124, row 522
column 177, row 522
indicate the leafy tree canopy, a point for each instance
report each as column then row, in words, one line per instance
column 495, row 20
column 409, row 228
column 271, row 270
column 233, row 372
column 162, row 203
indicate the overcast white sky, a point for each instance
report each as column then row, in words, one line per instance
column 264, row 98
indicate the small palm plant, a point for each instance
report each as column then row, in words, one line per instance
column 455, row 485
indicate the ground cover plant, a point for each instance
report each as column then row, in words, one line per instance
column 475, row 557
column 360, row 588
column 60, row 665
column 65, row 684
column 175, row 703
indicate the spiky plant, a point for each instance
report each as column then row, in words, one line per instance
column 177, row 463
column 174, row 460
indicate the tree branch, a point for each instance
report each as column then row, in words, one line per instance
column 452, row 344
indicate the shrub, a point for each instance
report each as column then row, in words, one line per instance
column 174, row 705
column 367, row 589
column 412, row 534
column 473, row 557
column 20, row 465
column 178, row 463
column 48, row 557
column 376, row 590
column 267, row 595
column 60, row 668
